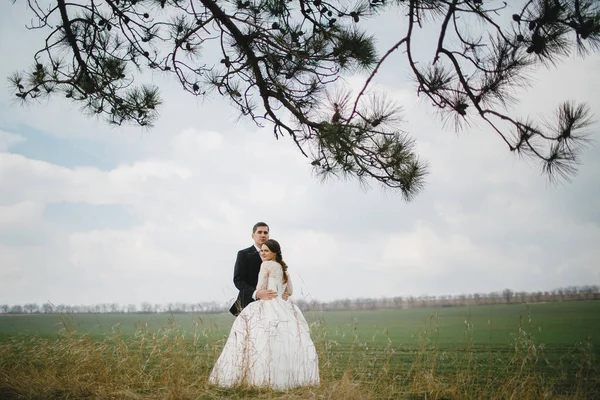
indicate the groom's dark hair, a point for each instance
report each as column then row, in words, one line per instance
column 256, row 225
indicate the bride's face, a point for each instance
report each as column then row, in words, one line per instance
column 266, row 254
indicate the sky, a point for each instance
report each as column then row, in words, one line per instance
column 94, row 214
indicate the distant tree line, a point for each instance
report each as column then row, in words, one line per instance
column 113, row 308
column 507, row 296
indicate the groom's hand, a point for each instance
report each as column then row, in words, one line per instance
column 285, row 295
column 266, row 294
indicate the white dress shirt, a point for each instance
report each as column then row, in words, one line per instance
column 254, row 293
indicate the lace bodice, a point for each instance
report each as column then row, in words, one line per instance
column 271, row 277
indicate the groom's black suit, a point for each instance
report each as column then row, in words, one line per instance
column 245, row 277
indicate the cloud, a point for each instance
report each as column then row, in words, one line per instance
column 466, row 233
column 19, row 213
column 193, row 143
column 9, row 139
column 159, row 214
column 145, row 172
column 48, row 182
column 187, row 222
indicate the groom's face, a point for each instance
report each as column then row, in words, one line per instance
column 261, row 235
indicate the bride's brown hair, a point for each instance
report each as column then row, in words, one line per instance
column 274, row 246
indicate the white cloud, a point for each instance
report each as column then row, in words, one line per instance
column 146, row 171
column 46, row 182
column 199, row 180
column 422, row 253
column 195, row 217
column 192, row 143
column 262, row 191
column 122, row 253
column 9, row 139
column 20, row 213
column 313, row 250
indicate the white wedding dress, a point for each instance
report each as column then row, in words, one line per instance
column 269, row 344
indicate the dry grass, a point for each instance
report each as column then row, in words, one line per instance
column 174, row 364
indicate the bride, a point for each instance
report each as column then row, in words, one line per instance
column 269, row 344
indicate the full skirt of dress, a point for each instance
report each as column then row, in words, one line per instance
column 269, row 346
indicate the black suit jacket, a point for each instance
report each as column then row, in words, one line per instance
column 245, row 277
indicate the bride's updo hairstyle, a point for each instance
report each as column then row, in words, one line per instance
column 274, row 246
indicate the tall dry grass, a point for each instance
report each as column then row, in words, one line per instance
column 174, row 364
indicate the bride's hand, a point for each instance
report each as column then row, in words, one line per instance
column 285, row 295
column 266, row 294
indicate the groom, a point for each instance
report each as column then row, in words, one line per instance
column 247, row 267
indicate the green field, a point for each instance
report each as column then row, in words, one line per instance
column 547, row 348
column 554, row 324
column 560, row 323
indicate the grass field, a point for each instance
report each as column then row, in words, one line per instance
column 543, row 350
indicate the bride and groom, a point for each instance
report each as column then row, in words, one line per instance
column 269, row 344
